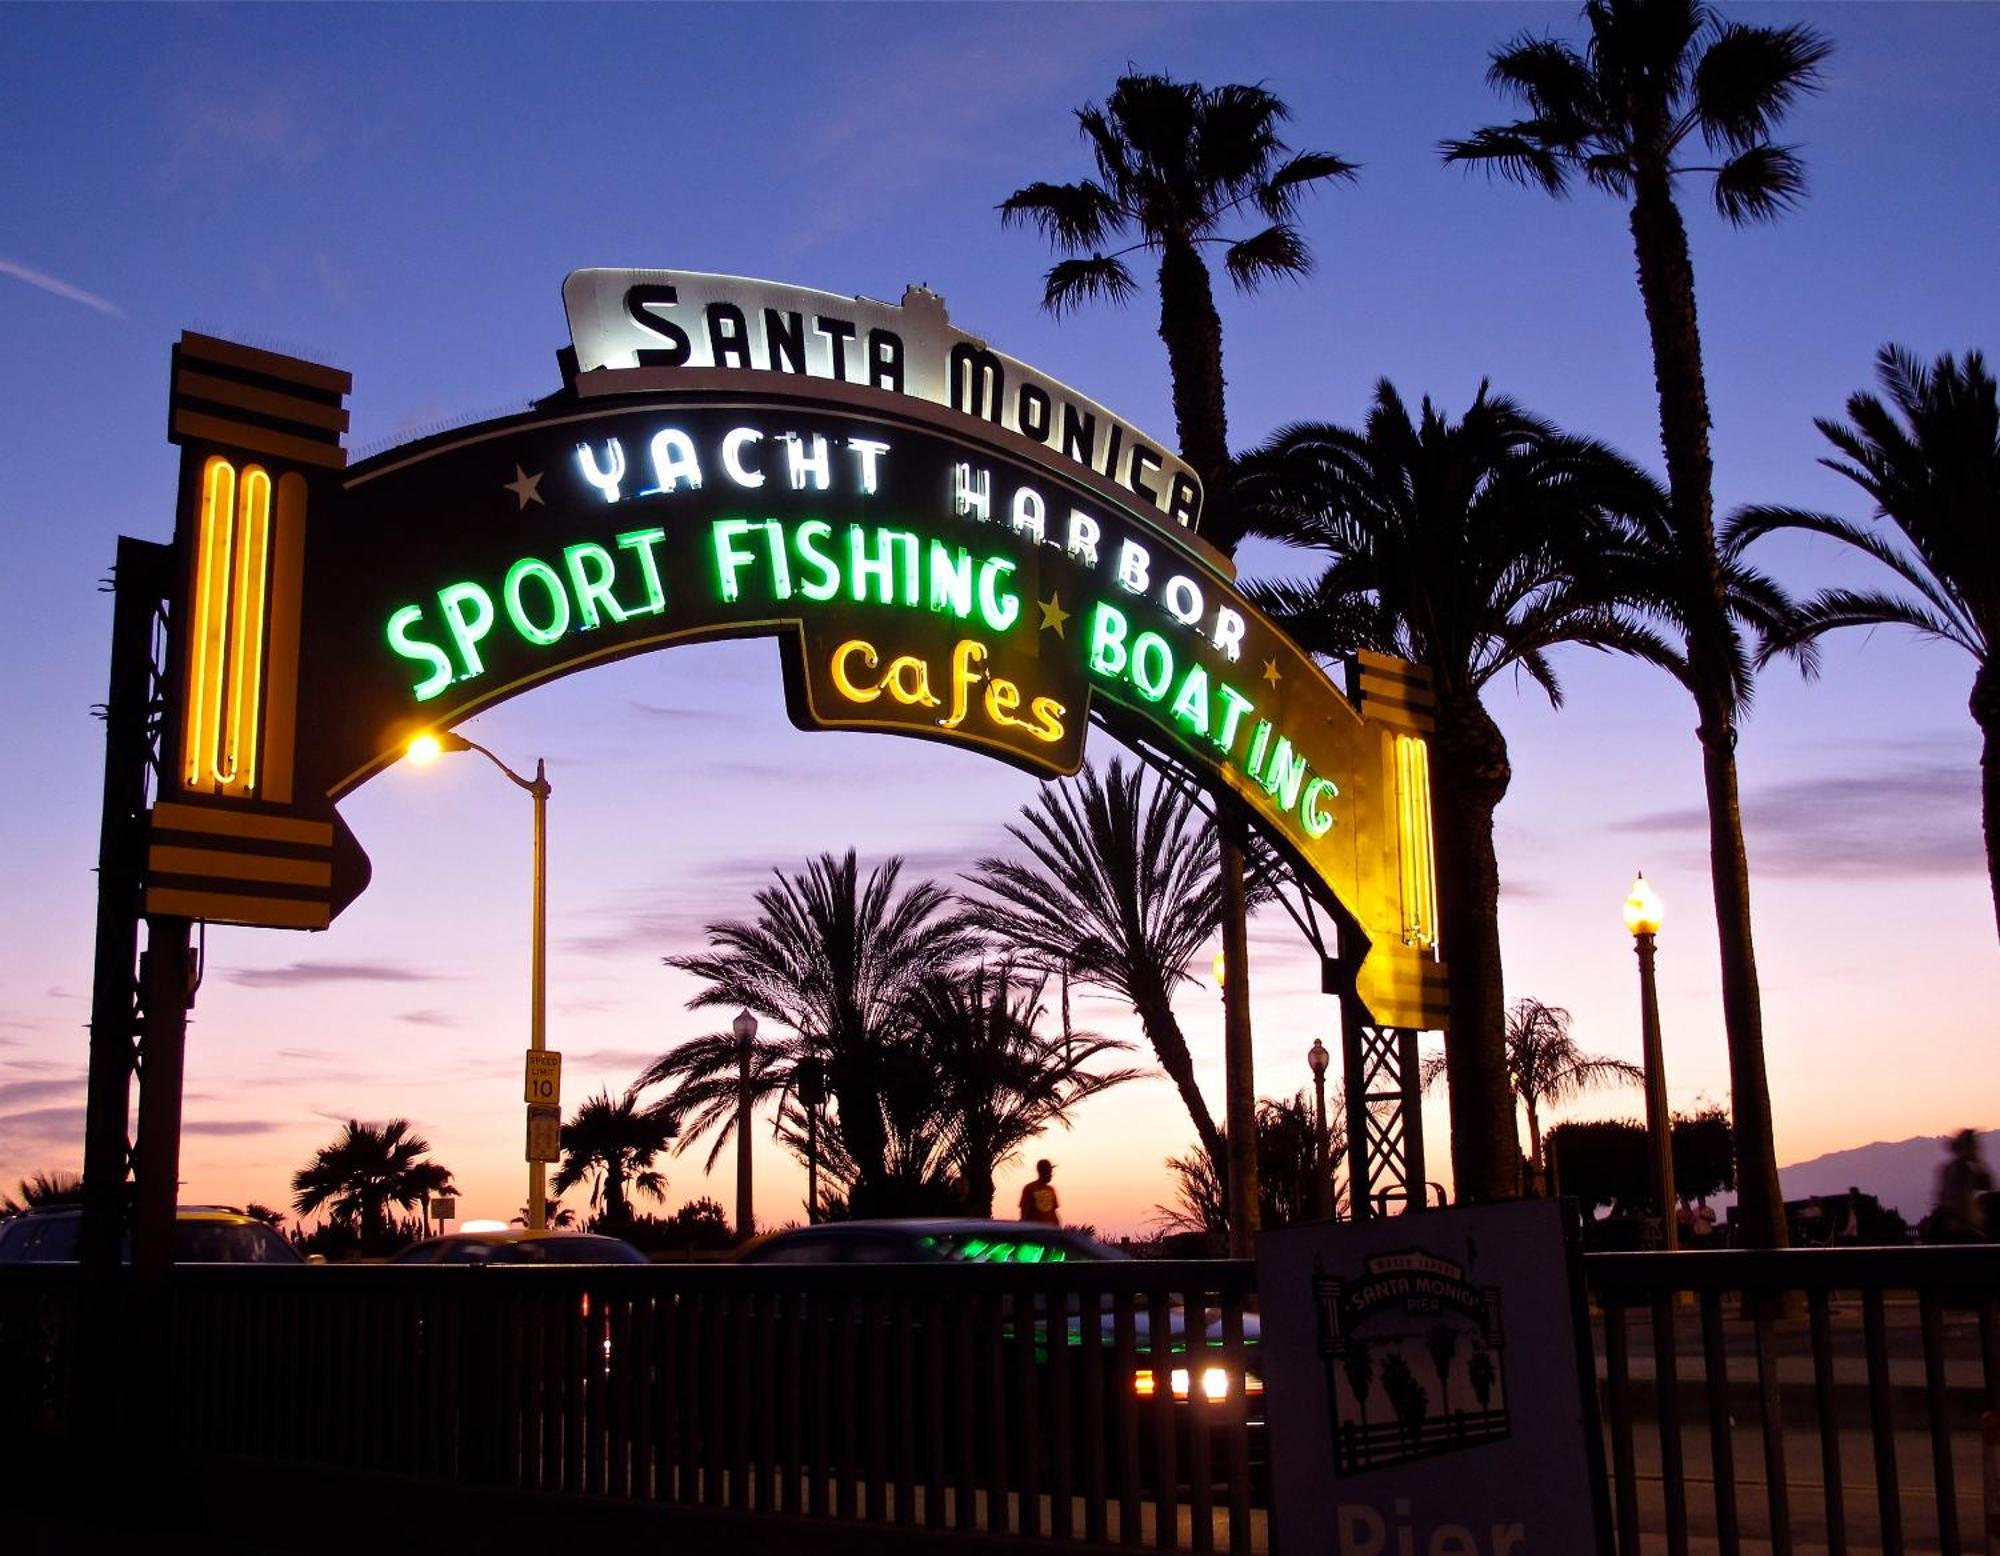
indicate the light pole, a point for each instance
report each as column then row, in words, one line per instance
column 745, row 1028
column 425, row 749
column 1643, row 913
column 1318, row 1058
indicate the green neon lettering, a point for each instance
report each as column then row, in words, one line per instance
column 1152, row 665
column 880, row 565
column 510, row 596
column 1312, row 810
column 781, row 572
column 1234, row 706
column 951, row 580
column 591, row 569
column 1287, row 774
column 1191, row 701
column 730, row 559
column 824, row 580
column 412, row 647
column 467, row 630
column 1107, row 640
column 1260, row 737
column 999, row 611
column 641, row 543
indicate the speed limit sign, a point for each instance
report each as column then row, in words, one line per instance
column 544, row 1088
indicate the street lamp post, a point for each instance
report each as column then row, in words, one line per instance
column 425, row 749
column 1643, row 913
column 745, row 1028
column 1318, row 1058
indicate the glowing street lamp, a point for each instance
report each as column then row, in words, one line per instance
column 1317, row 1059
column 424, row 749
column 1643, row 914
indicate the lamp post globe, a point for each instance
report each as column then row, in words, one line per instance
column 1317, row 1059
column 1644, row 913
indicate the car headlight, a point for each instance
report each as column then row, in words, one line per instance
column 1214, row 1383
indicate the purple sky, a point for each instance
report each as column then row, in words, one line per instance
column 399, row 192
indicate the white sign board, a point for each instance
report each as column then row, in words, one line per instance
column 544, row 1134
column 635, row 321
column 1425, row 1385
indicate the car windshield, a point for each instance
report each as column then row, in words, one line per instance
column 542, row 1250
column 225, row 1242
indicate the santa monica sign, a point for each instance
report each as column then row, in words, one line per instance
column 943, row 542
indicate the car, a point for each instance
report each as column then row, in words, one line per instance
column 934, row 1241
column 203, row 1234
column 520, row 1245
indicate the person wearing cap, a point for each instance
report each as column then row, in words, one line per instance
column 1038, row 1199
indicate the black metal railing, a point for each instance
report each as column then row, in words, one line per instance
column 1808, row 1400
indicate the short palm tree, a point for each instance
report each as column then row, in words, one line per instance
column 1473, row 548
column 1659, row 81
column 1117, row 889
column 1545, row 1067
column 999, row 1080
column 830, row 961
column 42, row 1189
column 613, row 1142
column 1930, row 459
column 364, row 1171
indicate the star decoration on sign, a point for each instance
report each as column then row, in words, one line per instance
column 1053, row 615
column 526, row 488
column 1271, row 671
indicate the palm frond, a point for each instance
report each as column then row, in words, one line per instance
column 1519, row 153
column 1759, row 184
column 1073, row 282
column 1278, row 252
column 1749, row 77
column 1073, row 217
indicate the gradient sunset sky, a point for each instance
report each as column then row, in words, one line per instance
column 400, row 191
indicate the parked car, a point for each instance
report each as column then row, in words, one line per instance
column 203, row 1234
column 927, row 1242
column 518, row 1245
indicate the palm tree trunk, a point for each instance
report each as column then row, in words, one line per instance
column 1666, row 285
column 1471, row 778
column 1538, row 1177
column 1170, row 1047
column 1239, row 1066
column 1986, row 710
column 1191, row 329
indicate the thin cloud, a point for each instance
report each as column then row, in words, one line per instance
column 17, row 1093
column 429, row 1017
column 656, row 710
column 57, row 287
column 615, row 1058
column 303, row 973
column 229, row 1126
column 42, row 1127
column 1918, row 821
column 258, row 128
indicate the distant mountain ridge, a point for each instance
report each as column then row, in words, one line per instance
column 1902, row 1174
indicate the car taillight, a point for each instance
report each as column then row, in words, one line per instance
column 1214, row 1383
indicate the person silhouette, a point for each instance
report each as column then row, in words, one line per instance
column 1959, row 1216
column 1038, row 1199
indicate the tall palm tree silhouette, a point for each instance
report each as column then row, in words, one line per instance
column 613, row 1142
column 1929, row 457
column 1664, row 91
column 364, row 1171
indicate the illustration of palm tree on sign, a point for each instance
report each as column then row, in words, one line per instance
column 1407, row 1397
column 1442, row 1343
column 1479, row 1371
column 1359, row 1364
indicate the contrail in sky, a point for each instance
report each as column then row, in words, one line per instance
column 75, row 294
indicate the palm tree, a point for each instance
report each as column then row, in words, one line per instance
column 364, row 1171
column 1930, row 460
column 273, row 1218
column 998, row 1080
column 42, row 1189
column 1178, row 165
column 1472, row 548
column 1545, row 1067
column 613, row 1142
column 1118, row 890
column 1441, row 1340
column 832, row 962
column 1659, row 76
column 1286, row 1168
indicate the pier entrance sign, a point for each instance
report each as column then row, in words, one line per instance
column 943, row 542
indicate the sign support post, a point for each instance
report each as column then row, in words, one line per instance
column 538, row 1020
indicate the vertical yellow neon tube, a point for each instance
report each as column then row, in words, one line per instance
column 281, row 669
column 236, row 765
column 1418, row 868
column 206, row 636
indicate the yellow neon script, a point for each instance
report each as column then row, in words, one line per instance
column 226, row 654
column 1418, row 869
column 859, row 674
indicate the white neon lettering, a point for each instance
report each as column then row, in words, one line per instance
column 1083, row 536
column 675, row 463
column 1182, row 598
column 969, row 495
column 1029, row 513
column 732, row 457
column 606, row 481
column 866, row 452
column 1133, row 566
column 818, row 464
column 1229, row 632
